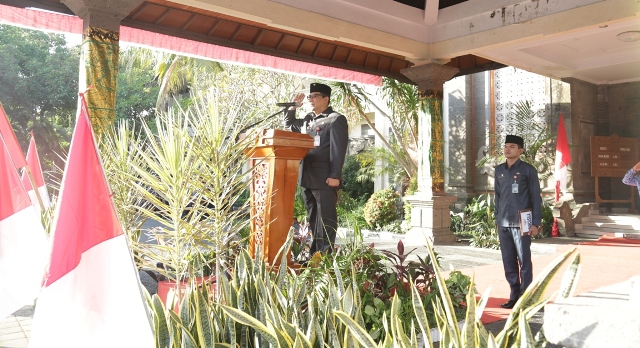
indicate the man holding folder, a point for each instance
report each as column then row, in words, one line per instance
column 518, row 216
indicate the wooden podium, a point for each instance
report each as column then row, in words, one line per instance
column 275, row 161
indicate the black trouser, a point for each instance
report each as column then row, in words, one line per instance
column 516, row 259
column 323, row 218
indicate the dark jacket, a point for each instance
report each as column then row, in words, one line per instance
column 326, row 160
column 528, row 196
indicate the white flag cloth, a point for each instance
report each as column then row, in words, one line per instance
column 33, row 162
column 23, row 243
column 91, row 295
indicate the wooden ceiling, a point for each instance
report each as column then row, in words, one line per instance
column 200, row 25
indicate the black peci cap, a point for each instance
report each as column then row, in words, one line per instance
column 320, row 88
column 514, row 139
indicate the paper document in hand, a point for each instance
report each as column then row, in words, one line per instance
column 526, row 220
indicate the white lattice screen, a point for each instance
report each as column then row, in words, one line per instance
column 511, row 86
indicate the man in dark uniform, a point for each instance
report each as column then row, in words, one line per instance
column 517, row 188
column 321, row 169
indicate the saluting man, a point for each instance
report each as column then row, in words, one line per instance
column 321, row 169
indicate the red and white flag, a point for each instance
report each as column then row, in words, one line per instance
column 563, row 158
column 33, row 162
column 23, row 243
column 10, row 140
column 91, row 295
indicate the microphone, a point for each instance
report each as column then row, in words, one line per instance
column 287, row 104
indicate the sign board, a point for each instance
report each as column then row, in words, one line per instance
column 613, row 156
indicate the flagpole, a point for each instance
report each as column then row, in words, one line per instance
column 35, row 188
column 83, row 105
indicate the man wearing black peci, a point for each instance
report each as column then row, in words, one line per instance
column 321, row 169
column 517, row 188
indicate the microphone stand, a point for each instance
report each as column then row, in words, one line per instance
column 263, row 120
column 258, row 122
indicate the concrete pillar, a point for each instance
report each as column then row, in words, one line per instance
column 430, row 204
column 100, row 51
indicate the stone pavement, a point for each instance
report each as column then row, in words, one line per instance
column 15, row 329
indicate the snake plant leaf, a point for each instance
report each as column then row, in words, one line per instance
column 397, row 330
column 339, row 280
column 302, row 341
column 284, row 339
column 569, row 281
column 203, row 321
column 526, row 337
column 290, row 330
column 186, row 339
column 245, row 319
column 160, row 323
column 482, row 304
column 358, row 332
column 282, row 300
column 540, row 339
column 401, row 337
column 347, row 301
column 317, row 333
column 388, row 342
column 531, row 311
column 333, row 339
column 491, row 342
column 414, row 339
column 469, row 329
column 421, row 314
column 538, row 287
column 185, row 311
column 452, row 321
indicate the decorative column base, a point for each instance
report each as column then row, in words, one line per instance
column 430, row 218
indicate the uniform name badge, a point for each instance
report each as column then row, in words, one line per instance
column 316, row 140
column 514, row 188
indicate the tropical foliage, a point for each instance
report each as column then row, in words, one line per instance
column 537, row 139
column 259, row 307
column 401, row 110
column 39, row 75
column 477, row 222
column 188, row 178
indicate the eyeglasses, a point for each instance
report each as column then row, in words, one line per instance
column 313, row 96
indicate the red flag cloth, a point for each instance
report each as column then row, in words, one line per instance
column 10, row 140
column 563, row 158
column 23, row 242
column 33, row 162
column 91, row 296
column 13, row 198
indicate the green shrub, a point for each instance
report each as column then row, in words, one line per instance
column 479, row 223
column 381, row 209
column 547, row 221
column 350, row 211
column 353, row 184
column 257, row 307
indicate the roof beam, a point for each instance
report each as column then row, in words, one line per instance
column 431, row 9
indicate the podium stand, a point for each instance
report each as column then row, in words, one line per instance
column 275, row 161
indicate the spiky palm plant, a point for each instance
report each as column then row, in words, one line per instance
column 537, row 137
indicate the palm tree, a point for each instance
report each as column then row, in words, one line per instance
column 175, row 74
column 402, row 100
